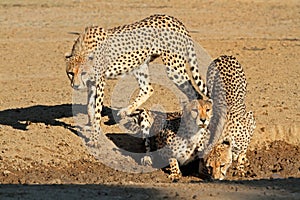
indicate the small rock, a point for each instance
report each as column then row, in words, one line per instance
column 22, row 180
column 263, row 129
column 276, row 176
column 269, row 187
column 55, row 181
column 6, row 172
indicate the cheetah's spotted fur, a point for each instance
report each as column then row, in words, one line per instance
column 226, row 83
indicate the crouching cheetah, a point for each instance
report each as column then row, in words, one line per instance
column 98, row 54
column 226, row 82
column 179, row 141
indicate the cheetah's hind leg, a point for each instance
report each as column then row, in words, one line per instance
column 140, row 122
column 146, row 121
column 175, row 73
column 146, row 90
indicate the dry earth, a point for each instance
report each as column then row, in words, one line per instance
column 42, row 155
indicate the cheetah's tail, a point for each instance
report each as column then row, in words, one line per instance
column 193, row 62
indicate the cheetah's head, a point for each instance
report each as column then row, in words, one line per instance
column 80, row 61
column 79, row 70
column 198, row 113
column 219, row 159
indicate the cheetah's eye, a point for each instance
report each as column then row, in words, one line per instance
column 70, row 75
column 207, row 110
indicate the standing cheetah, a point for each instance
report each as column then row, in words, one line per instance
column 98, row 54
column 226, row 83
column 181, row 139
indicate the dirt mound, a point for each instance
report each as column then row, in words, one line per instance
column 276, row 160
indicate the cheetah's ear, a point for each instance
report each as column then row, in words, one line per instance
column 194, row 103
column 74, row 33
column 68, row 55
column 189, row 105
column 227, row 141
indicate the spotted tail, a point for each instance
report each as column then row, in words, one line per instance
column 193, row 62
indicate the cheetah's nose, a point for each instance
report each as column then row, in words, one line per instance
column 75, row 87
column 203, row 120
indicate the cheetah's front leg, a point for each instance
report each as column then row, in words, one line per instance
column 99, row 95
column 242, row 162
column 175, row 173
column 91, row 103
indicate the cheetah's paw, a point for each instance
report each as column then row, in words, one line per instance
column 124, row 112
column 174, row 177
column 146, row 161
column 87, row 128
column 93, row 141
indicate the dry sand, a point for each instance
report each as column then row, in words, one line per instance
column 41, row 155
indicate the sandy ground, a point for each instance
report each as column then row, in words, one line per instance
column 43, row 157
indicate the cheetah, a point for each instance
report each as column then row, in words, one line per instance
column 99, row 54
column 180, row 140
column 226, row 83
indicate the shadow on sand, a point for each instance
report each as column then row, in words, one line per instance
column 19, row 118
column 255, row 189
